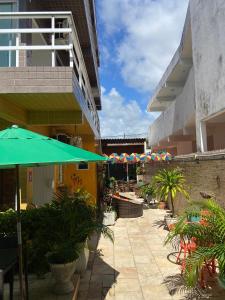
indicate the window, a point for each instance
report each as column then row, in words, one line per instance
column 82, row 166
column 7, row 58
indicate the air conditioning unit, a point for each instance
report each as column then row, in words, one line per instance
column 76, row 141
column 62, row 137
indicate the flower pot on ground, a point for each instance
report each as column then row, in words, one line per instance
column 147, row 192
column 82, row 261
column 140, row 178
column 62, row 262
column 169, row 220
column 109, row 216
column 140, row 174
column 162, row 205
column 221, row 281
column 62, row 274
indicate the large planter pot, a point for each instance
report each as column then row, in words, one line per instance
column 62, row 274
column 109, row 218
column 194, row 219
column 92, row 242
column 170, row 221
column 162, row 205
column 82, row 261
column 140, row 178
column 221, row 281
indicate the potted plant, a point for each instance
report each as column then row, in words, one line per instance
column 162, row 204
column 82, row 261
column 167, row 184
column 112, row 184
column 210, row 236
column 109, row 216
column 193, row 213
column 147, row 192
column 140, row 173
column 62, row 260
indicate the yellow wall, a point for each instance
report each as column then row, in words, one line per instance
column 74, row 178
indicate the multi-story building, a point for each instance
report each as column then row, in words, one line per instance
column 191, row 93
column 49, row 84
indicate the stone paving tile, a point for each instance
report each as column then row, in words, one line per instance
column 136, row 266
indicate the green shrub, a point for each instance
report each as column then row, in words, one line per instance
column 54, row 230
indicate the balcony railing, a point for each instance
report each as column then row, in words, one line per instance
column 58, row 34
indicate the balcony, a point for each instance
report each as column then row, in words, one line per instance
column 43, row 70
column 177, row 122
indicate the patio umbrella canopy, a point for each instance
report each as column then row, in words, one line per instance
column 21, row 147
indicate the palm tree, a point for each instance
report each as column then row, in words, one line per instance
column 167, row 183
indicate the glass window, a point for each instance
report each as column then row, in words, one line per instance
column 7, row 58
column 82, row 166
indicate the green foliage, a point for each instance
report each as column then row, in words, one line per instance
column 139, row 170
column 168, row 183
column 8, row 222
column 55, row 229
column 63, row 253
column 147, row 190
column 210, row 237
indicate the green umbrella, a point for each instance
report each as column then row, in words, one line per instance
column 19, row 146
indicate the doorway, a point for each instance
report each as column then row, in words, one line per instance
column 7, row 188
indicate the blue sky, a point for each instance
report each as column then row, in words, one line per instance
column 137, row 39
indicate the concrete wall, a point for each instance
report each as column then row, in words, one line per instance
column 208, row 40
column 43, row 179
column 201, row 176
column 178, row 114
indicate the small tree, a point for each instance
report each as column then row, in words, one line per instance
column 167, row 183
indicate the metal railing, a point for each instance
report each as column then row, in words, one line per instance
column 28, row 23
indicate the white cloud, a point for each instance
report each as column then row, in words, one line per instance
column 120, row 116
column 149, row 33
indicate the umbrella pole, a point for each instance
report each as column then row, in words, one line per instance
column 108, row 170
column 127, row 173
column 19, row 236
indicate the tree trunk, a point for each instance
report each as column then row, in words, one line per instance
column 172, row 205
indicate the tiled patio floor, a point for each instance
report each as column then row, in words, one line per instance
column 135, row 267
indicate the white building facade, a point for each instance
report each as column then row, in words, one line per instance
column 191, row 93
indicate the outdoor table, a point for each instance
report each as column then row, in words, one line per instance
column 8, row 259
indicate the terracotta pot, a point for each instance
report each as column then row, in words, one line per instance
column 162, row 205
column 62, row 274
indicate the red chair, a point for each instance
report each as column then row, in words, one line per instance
column 186, row 247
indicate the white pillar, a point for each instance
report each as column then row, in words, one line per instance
column 17, row 51
column 71, row 50
column 53, row 41
column 203, row 136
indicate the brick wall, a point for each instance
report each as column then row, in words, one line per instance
column 201, row 176
column 36, row 79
